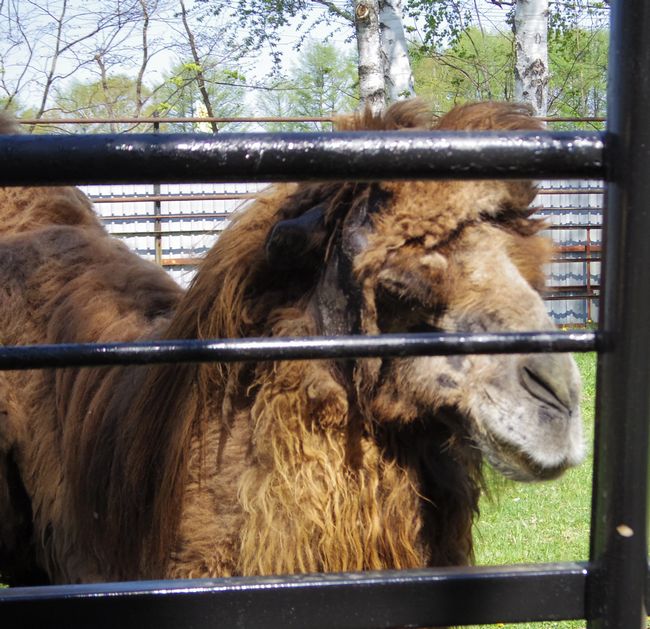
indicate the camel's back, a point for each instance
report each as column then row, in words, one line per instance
column 62, row 279
column 24, row 209
column 77, row 284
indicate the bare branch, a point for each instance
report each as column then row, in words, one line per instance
column 332, row 8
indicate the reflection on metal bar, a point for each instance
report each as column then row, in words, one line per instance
column 359, row 155
column 233, row 350
column 408, row 598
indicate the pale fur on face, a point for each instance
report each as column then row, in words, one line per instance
column 477, row 285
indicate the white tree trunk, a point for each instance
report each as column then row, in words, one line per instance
column 531, row 54
column 371, row 71
column 398, row 77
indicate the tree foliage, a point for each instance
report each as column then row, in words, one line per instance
column 180, row 94
column 479, row 66
column 322, row 83
column 112, row 97
column 443, row 22
column 256, row 23
column 578, row 60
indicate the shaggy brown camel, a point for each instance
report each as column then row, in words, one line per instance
column 279, row 467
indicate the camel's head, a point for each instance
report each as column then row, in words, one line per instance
column 447, row 257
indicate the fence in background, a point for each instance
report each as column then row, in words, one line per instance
column 175, row 225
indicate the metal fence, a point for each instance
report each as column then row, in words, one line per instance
column 176, row 224
column 609, row 589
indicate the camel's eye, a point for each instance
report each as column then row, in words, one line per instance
column 517, row 221
column 401, row 312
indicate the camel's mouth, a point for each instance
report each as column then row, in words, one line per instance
column 536, row 450
column 514, row 464
column 526, row 418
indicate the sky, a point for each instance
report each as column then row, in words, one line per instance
column 38, row 18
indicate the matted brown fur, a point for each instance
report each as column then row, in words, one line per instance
column 214, row 470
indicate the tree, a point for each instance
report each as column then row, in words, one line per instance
column 398, row 76
column 323, row 83
column 49, row 46
column 382, row 52
column 115, row 96
column 181, row 95
column 444, row 22
column 45, row 43
column 480, row 66
column 372, row 84
column 531, row 54
column 578, row 62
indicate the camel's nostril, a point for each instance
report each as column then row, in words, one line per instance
column 546, row 387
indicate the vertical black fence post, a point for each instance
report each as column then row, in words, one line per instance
column 619, row 517
column 157, row 226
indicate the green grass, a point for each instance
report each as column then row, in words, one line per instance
column 542, row 522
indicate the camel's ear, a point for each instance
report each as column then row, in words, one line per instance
column 298, row 242
column 357, row 224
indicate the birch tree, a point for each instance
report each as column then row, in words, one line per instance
column 372, row 86
column 384, row 65
column 531, row 53
column 398, row 75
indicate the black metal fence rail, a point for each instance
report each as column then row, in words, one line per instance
column 414, row 598
column 318, row 347
column 238, row 157
column 609, row 590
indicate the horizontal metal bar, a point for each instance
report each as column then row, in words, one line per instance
column 198, row 216
column 413, row 598
column 198, row 120
column 185, row 119
column 168, row 198
column 574, row 226
column 582, row 297
column 571, row 191
column 234, row 350
column 237, row 157
column 573, row 260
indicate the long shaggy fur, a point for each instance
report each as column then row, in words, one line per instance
column 219, row 469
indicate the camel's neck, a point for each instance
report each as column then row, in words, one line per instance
column 322, row 494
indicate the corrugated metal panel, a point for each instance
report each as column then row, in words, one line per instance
column 189, row 228
column 185, row 234
column 582, row 275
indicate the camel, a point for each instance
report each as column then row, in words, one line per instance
column 278, row 467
